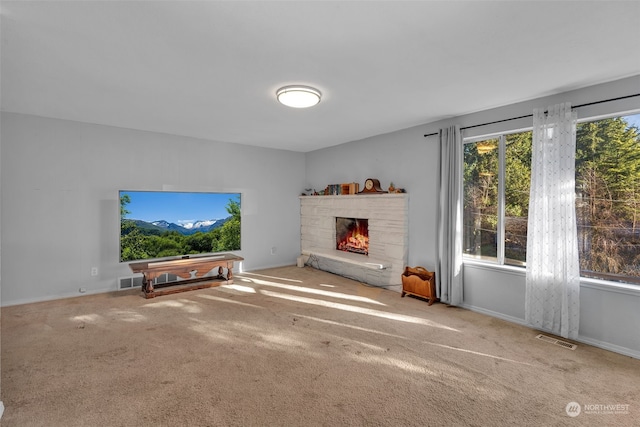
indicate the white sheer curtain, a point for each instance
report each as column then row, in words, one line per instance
column 449, row 239
column 552, row 301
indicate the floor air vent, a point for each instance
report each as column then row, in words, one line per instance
column 129, row 282
column 557, row 342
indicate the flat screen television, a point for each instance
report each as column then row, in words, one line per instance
column 165, row 224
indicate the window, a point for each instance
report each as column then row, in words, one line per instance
column 497, row 172
column 497, row 175
column 608, row 198
column 480, row 215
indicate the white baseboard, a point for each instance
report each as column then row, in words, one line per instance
column 56, row 297
column 585, row 340
column 611, row 347
column 491, row 313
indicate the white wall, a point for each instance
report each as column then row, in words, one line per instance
column 60, row 207
column 1, row 404
column 405, row 158
column 610, row 314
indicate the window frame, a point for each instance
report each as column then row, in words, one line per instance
column 500, row 212
column 605, row 279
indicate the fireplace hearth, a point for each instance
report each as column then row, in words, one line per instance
column 352, row 235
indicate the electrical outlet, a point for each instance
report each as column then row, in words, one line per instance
column 94, row 271
column 273, row 250
column 82, row 290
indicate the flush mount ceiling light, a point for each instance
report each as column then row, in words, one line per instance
column 297, row 96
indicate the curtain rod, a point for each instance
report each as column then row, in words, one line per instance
column 531, row 115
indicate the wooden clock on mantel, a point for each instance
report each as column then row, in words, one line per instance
column 372, row 185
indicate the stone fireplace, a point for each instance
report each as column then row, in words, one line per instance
column 387, row 220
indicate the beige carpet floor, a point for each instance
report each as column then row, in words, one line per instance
column 296, row 347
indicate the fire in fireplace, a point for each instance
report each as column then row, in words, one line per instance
column 352, row 235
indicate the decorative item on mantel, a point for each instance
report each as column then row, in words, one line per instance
column 333, row 190
column 342, row 189
column 372, row 186
column 394, row 189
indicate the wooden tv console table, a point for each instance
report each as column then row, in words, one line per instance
column 191, row 268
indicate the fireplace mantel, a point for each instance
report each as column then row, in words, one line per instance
column 388, row 216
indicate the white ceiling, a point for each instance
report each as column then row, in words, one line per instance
column 210, row 69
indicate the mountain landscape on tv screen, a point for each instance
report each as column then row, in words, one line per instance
column 186, row 229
